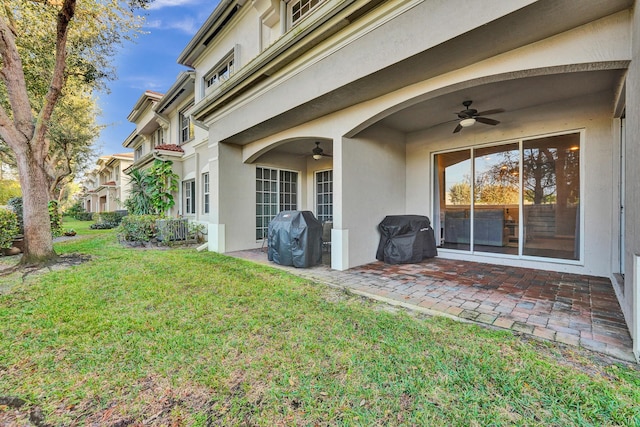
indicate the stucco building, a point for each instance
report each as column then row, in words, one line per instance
column 535, row 172
column 106, row 187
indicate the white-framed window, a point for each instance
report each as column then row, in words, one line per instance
column 276, row 190
column 186, row 127
column 324, row 195
column 298, row 9
column 189, row 191
column 138, row 153
column 117, row 174
column 158, row 137
column 221, row 71
column 205, row 192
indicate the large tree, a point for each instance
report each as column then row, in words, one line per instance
column 44, row 45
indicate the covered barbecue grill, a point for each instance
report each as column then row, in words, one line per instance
column 295, row 238
column 406, row 239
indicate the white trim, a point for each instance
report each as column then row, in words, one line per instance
column 339, row 249
column 278, row 171
column 315, row 190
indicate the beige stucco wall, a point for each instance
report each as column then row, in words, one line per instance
column 243, row 36
column 373, row 186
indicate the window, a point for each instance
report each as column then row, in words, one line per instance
column 117, row 171
column 186, row 127
column 138, row 153
column 324, row 196
column 205, row 192
column 298, row 9
column 521, row 198
column 189, row 191
column 157, row 138
column 221, row 72
column 276, row 190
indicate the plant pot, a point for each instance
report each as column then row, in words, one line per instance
column 11, row 251
column 70, row 233
column 18, row 242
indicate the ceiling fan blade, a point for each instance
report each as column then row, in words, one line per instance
column 487, row 121
column 490, row 112
column 458, row 128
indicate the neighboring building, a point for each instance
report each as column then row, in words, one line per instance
column 164, row 132
column 379, row 87
column 106, row 187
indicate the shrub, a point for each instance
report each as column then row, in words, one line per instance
column 8, row 228
column 107, row 220
column 15, row 203
column 112, row 218
column 197, row 231
column 84, row 216
column 137, row 228
column 75, row 209
column 100, row 226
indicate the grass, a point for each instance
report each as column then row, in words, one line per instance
column 177, row 337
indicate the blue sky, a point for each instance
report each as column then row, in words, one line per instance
column 148, row 64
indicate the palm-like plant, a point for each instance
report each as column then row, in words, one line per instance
column 139, row 201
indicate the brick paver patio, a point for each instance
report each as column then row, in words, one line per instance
column 567, row 308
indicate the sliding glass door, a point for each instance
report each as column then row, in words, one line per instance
column 551, row 196
column 520, row 198
column 496, row 199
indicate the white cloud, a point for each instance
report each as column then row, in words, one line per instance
column 155, row 23
column 143, row 83
column 161, row 4
column 187, row 25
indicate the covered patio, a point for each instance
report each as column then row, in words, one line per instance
column 567, row 308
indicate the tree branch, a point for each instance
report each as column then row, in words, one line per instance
column 13, row 76
column 57, row 82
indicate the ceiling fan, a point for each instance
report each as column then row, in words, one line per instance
column 318, row 152
column 469, row 116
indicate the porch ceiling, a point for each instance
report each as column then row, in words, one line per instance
column 512, row 96
column 303, row 147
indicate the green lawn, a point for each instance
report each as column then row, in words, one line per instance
column 178, row 337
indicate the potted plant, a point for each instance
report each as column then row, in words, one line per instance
column 69, row 232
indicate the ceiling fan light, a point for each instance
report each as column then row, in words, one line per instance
column 465, row 123
column 317, row 156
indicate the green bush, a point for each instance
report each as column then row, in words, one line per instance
column 8, row 228
column 15, row 203
column 107, row 220
column 137, row 228
column 75, row 209
column 112, row 218
column 84, row 216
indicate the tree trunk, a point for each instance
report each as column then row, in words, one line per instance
column 38, row 242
